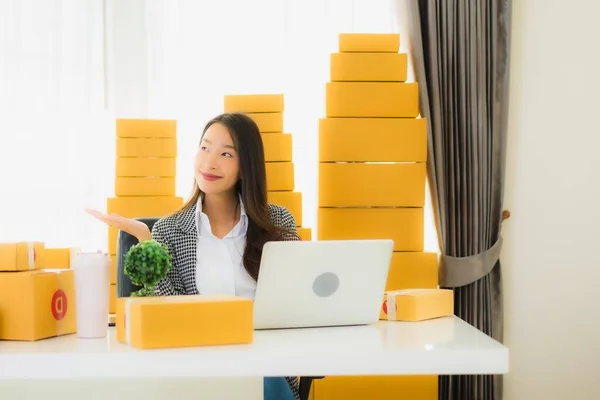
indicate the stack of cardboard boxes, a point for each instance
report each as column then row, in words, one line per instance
column 372, row 175
column 145, row 171
column 37, row 293
column 267, row 111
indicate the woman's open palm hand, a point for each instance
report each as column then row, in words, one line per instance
column 132, row 226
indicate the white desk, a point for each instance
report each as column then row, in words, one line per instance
column 437, row 347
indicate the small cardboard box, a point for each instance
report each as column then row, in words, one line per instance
column 145, row 186
column 403, row 225
column 305, row 233
column 146, row 166
column 113, row 269
column 412, row 269
column 268, row 122
column 400, row 139
column 183, row 321
column 146, row 147
column 146, row 128
column 21, row 256
column 372, row 99
column 364, row 185
column 139, row 207
column 417, row 304
column 280, row 176
column 277, row 146
column 37, row 304
column 375, row 387
column 369, row 42
column 253, row 103
column 112, row 299
column 58, row 258
column 368, row 67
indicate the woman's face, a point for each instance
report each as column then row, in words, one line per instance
column 217, row 161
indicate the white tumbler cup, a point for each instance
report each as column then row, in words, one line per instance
column 92, row 278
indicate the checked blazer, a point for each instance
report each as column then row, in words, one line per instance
column 179, row 233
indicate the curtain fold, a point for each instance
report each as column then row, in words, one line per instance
column 460, row 53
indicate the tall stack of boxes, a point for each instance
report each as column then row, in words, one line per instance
column 267, row 111
column 145, row 171
column 372, row 175
column 37, row 292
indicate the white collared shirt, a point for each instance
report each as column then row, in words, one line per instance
column 219, row 266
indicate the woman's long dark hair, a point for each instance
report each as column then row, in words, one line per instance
column 251, row 187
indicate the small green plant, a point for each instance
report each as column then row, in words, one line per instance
column 146, row 264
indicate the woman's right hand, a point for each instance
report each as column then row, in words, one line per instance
column 132, row 226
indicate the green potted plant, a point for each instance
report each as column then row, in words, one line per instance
column 146, row 264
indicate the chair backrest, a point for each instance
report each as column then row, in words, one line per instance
column 124, row 243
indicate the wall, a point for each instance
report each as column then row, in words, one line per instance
column 551, row 258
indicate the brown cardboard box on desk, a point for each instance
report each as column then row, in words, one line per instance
column 21, row 256
column 417, row 304
column 182, row 321
column 58, row 258
column 37, row 304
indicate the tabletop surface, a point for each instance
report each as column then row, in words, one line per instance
column 440, row 346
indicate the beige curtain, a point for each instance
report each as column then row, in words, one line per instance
column 460, row 50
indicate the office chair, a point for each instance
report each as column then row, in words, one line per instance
column 125, row 287
column 124, row 242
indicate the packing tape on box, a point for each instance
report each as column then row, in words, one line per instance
column 391, row 300
column 391, row 306
column 30, row 255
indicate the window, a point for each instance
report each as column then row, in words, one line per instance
column 70, row 70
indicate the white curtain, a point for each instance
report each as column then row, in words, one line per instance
column 54, row 154
column 68, row 68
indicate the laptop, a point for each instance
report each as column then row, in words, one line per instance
column 304, row 284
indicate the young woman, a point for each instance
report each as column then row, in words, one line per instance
column 216, row 238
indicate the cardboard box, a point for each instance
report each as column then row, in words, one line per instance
column 393, row 139
column 292, row 201
column 113, row 234
column 369, row 42
column 112, row 299
column 305, row 233
column 268, row 122
column 140, row 207
column 412, row 270
column 21, row 256
column 277, row 146
column 146, row 128
column 145, row 166
column 253, row 103
column 187, row 320
column 368, row 67
column 372, row 99
column 377, row 185
column 418, row 387
column 58, row 258
column 37, row 304
column 146, row 147
column 417, row 304
column 403, row 225
column 280, row 176
column 113, row 269
column 145, row 186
